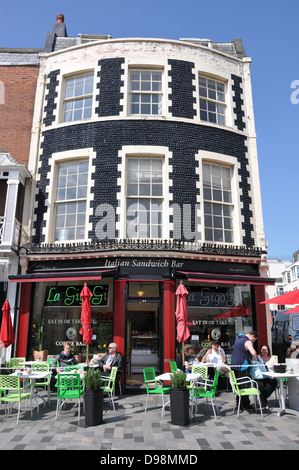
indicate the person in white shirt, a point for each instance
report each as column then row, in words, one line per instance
column 215, row 354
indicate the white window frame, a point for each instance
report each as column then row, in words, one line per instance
column 146, row 152
column 204, row 156
column 67, row 201
column 146, row 92
column 221, row 205
column 143, row 199
column 213, row 101
column 49, row 217
column 74, row 99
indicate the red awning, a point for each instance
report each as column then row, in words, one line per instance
column 227, row 278
column 60, row 276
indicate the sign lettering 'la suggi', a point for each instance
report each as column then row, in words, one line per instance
column 69, row 296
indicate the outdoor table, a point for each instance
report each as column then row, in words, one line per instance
column 33, row 376
column 167, row 377
column 275, row 375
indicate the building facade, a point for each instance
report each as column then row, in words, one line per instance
column 284, row 325
column 144, row 174
column 19, row 70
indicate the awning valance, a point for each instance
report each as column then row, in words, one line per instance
column 51, row 276
column 225, row 278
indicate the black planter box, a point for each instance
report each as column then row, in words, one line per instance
column 179, row 405
column 93, row 407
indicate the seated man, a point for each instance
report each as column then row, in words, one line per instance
column 65, row 358
column 111, row 359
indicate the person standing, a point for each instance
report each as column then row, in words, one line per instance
column 243, row 354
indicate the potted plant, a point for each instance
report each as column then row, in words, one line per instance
column 41, row 354
column 77, row 353
column 179, row 399
column 93, row 397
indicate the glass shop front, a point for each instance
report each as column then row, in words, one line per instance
column 218, row 312
column 57, row 316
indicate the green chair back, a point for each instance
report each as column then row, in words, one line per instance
column 173, row 366
column 14, row 393
column 69, row 386
column 11, row 383
column 110, row 386
column 42, row 367
column 72, row 367
column 198, row 369
column 149, row 375
column 203, row 370
column 233, row 382
column 15, row 362
column 50, row 361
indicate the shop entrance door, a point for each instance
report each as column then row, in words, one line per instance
column 143, row 330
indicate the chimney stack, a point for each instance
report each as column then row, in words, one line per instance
column 58, row 30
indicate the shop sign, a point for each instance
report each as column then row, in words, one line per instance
column 211, row 297
column 69, row 296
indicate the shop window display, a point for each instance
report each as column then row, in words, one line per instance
column 217, row 313
column 56, row 317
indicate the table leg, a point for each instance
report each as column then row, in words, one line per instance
column 283, row 410
column 33, row 394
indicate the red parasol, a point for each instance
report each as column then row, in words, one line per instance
column 181, row 314
column 288, row 298
column 7, row 336
column 239, row 311
column 293, row 310
column 86, row 330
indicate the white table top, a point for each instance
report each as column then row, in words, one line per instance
column 32, row 375
column 167, row 376
column 277, row 375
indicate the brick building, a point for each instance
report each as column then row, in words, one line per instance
column 145, row 174
column 19, row 69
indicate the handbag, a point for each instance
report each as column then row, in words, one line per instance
column 280, row 369
column 245, row 365
column 257, row 370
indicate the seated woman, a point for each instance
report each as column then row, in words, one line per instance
column 266, row 385
column 185, row 359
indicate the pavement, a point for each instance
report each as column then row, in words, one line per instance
column 129, row 429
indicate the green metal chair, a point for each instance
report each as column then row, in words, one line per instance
column 50, row 361
column 16, row 362
column 198, row 369
column 14, row 393
column 242, row 392
column 46, row 382
column 207, row 391
column 109, row 387
column 152, row 386
column 173, row 366
column 69, row 387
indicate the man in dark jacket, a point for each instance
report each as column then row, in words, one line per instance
column 111, row 359
column 243, row 354
column 65, row 358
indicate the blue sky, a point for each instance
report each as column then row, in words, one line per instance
column 270, row 34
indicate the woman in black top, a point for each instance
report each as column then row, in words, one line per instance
column 185, row 363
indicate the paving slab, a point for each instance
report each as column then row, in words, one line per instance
column 129, row 430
